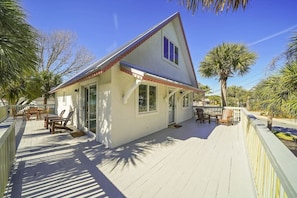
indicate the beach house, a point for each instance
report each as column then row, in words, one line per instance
column 140, row 88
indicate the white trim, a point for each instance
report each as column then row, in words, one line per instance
column 82, row 101
column 175, row 114
column 129, row 92
column 148, row 113
column 138, row 75
column 165, row 34
column 172, row 93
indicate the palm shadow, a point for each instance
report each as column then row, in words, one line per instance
column 132, row 153
column 66, row 166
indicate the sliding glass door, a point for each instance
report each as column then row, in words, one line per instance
column 90, row 108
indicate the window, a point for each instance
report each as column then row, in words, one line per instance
column 170, row 51
column 152, row 98
column 186, row 100
column 176, row 55
column 147, row 98
column 165, row 47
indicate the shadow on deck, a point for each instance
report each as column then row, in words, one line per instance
column 195, row 160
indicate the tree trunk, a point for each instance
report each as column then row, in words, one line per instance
column 248, row 103
column 224, row 92
column 44, row 102
column 269, row 121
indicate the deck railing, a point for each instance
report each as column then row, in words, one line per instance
column 3, row 113
column 19, row 110
column 273, row 166
column 218, row 110
column 7, row 151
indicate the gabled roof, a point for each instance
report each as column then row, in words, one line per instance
column 108, row 61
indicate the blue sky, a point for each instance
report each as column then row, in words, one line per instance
column 102, row 26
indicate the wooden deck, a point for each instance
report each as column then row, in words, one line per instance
column 195, row 160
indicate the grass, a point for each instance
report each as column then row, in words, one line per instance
column 285, row 136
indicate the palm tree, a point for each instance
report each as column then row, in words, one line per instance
column 217, row 5
column 48, row 80
column 289, row 82
column 289, row 79
column 225, row 61
column 237, row 96
column 214, row 99
column 200, row 96
column 291, row 52
column 17, row 43
column 288, row 76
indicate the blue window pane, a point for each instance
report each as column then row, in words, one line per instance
column 165, row 47
column 176, row 55
column 171, row 51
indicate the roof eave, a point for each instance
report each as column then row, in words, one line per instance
column 149, row 76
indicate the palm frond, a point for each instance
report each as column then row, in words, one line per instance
column 215, row 5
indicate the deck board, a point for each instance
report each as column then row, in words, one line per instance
column 195, row 160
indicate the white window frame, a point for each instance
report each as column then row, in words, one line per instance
column 173, row 62
column 148, row 111
column 186, row 104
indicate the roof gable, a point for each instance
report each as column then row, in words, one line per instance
column 108, row 61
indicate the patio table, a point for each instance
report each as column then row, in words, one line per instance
column 215, row 115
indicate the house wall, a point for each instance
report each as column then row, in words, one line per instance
column 81, row 104
column 150, row 55
column 103, row 103
column 118, row 122
column 184, row 113
column 67, row 99
column 127, row 123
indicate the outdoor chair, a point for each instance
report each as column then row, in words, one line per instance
column 60, row 123
column 32, row 111
column 202, row 116
column 51, row 117
column 227, row 117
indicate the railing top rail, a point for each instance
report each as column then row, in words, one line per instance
column 281, row 158
column 3, row 113
column 5, row 129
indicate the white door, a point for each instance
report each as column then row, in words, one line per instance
column 90, row 108
column 171, row 107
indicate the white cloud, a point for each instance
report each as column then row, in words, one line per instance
column 115, row 21
column 272, row 36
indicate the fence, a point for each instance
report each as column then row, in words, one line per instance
column 7, row 151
